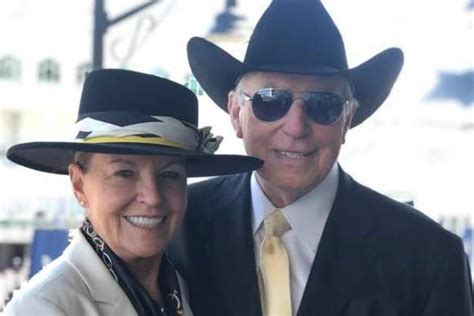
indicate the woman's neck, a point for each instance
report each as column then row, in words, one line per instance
column 146, row 271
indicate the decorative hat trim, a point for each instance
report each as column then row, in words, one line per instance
column 158, row 130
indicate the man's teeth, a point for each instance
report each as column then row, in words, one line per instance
column 290, row 154
column 143, row 221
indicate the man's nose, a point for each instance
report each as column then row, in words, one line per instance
column 296, row 123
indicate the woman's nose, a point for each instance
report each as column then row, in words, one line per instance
column 149, row 191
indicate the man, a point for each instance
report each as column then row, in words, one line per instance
column 300, row 236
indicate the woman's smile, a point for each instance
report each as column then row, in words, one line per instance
column 145, row 221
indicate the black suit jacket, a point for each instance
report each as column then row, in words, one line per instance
column 376, row 256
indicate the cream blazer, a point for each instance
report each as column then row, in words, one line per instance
column 76, row 283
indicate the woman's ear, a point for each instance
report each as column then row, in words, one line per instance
column 233, row 107
column 76, row 175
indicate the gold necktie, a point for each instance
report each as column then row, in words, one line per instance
column 275, row 267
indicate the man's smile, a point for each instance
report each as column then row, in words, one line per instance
column 294, row 154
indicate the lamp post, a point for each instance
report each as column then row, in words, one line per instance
column 101, row 25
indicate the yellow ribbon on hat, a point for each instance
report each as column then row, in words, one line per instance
column 135, row 139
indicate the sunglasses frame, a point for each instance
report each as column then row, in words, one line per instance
column 247, row 97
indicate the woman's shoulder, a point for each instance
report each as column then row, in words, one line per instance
column 48, row 292
column 76, row 283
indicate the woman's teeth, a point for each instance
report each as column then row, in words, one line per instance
column 142, row 221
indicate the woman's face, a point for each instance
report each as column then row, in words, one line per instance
column 135, row 203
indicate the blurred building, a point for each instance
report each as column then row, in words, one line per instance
column 45, row 54
column 416, row 148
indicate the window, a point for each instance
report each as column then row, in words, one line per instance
column 9, row 68
column 82, row 71
column 9, row 129
column 194, row 85
column 160, row 72
column 48, row 71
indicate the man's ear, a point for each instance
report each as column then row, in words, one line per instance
column 76, row 175
column 233, row 107
column 347, row 123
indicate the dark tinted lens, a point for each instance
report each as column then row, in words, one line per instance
column 323, row 107
column 270, row 104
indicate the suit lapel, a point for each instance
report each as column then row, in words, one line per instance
column 344, row 259
column 230, row 251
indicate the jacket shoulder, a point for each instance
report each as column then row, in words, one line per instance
column 216, row 186
column 49, row 292
column 207, row 196
column 402, row 226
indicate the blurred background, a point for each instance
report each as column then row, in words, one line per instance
column 418, row 148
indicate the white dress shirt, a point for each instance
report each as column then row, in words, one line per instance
column 307, row 217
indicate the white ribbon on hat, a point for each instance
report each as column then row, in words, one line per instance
column 166, row 131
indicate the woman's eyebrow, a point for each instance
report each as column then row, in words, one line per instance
column 180, row 162
column 132, row 163
column 123, row 161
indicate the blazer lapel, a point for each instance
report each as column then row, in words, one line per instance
column 344, row 258
column 230, row 251
column 98, row 280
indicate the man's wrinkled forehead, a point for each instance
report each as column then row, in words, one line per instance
column 274, row 79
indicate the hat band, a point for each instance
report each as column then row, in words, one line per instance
column 136, row 139
column 95, row 128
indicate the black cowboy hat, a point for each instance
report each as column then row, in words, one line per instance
column 299, row 37
column 126, row 112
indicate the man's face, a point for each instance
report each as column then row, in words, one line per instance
column 298, row 153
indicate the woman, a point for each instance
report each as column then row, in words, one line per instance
column 136, row 144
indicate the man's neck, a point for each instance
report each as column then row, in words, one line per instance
column 281, row 197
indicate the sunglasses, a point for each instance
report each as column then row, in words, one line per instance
column 322, row 107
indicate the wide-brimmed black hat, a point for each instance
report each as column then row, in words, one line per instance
column 299, row 37
column 126, row 112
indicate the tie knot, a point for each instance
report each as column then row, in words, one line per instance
column 276, row 224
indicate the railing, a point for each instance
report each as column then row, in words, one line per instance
column 39, row 223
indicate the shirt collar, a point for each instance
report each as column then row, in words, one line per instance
column 306, row 216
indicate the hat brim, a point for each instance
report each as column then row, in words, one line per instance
column 217, row 72
column 54, row 157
